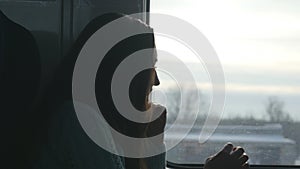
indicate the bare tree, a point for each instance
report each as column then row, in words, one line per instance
column 275, row 110
column 189, row 106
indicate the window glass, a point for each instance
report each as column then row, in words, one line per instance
column 257, row 42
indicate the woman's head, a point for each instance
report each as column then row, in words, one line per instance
column 60, row 88
column 141, row 84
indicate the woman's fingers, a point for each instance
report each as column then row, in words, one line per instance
column 237, row 153
column 240, row 156
column 245, row 166
column 243, row 159
column 227, row 148
column 228, row 158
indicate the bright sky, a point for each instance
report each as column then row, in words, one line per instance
column 257, row 41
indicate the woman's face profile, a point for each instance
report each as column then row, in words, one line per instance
column 153, row 78
column 141, row 85
column 154, row 81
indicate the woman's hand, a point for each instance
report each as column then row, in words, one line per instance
column 157, row 126
column 151, row 129
column 228, row 158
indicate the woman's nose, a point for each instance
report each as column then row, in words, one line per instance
column 156, row 80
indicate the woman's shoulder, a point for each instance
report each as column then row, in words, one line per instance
column 70, row 147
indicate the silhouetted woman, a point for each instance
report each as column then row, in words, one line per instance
column 61, row 141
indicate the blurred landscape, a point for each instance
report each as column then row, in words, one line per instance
column 273, row 139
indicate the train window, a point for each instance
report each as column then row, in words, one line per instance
column 257, row 43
